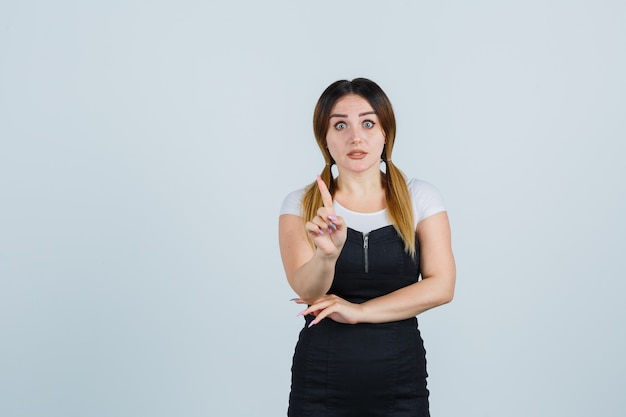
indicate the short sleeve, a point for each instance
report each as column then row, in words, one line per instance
column 292, row 203
column 427, row 199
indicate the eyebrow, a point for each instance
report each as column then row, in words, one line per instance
column 345, row 115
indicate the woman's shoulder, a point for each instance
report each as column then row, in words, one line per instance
column 292, row 202
column 418, row 184
column 427, row 200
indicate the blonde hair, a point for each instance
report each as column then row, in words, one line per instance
column 398, row 197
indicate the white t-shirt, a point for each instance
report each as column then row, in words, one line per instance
column 426, row 201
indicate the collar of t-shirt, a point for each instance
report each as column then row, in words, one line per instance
column 362, row 222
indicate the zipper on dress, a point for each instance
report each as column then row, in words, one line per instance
column 366, row 238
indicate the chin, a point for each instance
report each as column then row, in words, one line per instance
column 360, row 166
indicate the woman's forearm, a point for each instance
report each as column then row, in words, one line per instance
column 314, row 278
column 409, row 301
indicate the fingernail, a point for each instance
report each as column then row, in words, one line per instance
column 320, row 232
column 300, row 313
column 333, row 218
column 293, row 299
column 333, row 225
column 311, row 324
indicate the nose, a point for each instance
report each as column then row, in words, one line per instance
column 354, row 136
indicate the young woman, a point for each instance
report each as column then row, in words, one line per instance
column 354, row 249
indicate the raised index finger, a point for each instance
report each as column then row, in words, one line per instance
column 326, row 197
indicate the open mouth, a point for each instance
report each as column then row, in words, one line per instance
column 357, row 155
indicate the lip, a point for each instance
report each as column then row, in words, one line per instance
column 357, row 154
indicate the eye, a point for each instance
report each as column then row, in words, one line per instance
column 341, row 126
column 368, row 124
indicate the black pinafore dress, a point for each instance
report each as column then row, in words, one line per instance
column 342, row 370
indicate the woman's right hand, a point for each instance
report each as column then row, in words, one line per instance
column 327, row 230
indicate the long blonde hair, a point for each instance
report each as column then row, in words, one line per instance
column 398, row 197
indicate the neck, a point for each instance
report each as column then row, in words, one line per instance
column 360, row 183
column 361, row 192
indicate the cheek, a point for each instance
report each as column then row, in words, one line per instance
column 331, row 145
column 334, row 140
column 377, row 138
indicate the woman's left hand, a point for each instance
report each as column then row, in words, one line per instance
column 332, row 307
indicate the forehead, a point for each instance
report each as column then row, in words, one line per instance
column 351, row 103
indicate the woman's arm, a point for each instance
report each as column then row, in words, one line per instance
column 436, row 287
column 311, row 272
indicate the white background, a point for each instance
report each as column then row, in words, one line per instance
column 146, row 146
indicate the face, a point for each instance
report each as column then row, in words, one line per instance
column 355, row 139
